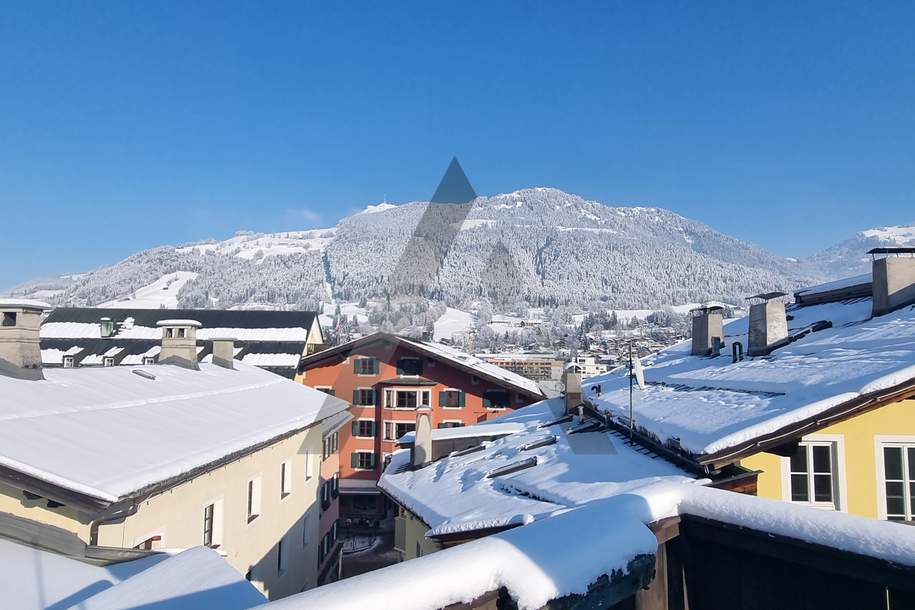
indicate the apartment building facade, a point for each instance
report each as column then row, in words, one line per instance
column 388, row 379
column 539, row 367
column 172, row 455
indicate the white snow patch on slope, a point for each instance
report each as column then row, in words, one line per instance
column 374, row 209
column 163, row 293
column 257, row 246
column 899, row 235
column 453, row 322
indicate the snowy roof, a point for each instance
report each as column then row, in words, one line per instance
column 716, row 410
column 17, row 303
column 34, row 579
column 564, row 554
column 441, row 352
column 475, row 431
column 179, row 322
column 77, row 429
column 455, row 495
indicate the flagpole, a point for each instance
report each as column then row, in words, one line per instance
column 631, row 371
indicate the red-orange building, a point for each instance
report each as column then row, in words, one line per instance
column 387, row 379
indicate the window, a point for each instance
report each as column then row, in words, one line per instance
column 335, row 485
column 451, row 423
column 182, row 333
column 306, row 535
column 409, row 366
column 149, row 360
column 451, row 399
column 308, row 466
column 365, row 366
column 393, row 430
column 330, row 445
column 362, row 460
column 68, row 362
column 285, row 478
column 208, row 514
column 899, row 481
column 496, row 399
column 9, row 318
column 326, row 491
column 280, row 557
column 364, row 397
column 108, row 361
column 169, row 333
column 474, row 379
column 812, row 474
column 364, row 428
column 254, row 499
column 407, row 399
column 326, row 389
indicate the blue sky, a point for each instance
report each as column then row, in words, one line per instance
column 125, row 125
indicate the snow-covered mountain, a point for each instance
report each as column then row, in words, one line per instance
column 552, row 248
column 849, row 257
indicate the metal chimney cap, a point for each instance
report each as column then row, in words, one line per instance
column 14, row 303
column 193, row 323
column 768, row 296
column 892, row 250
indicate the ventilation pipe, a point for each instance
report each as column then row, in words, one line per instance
column 179, row 342
column 224, row 353
column 422, row 444
column 893, row 282
column 20, row 351
column 768, row 323
column 708, row 330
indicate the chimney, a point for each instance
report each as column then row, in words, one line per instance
column 422, row 444
column 893, row 282
column 571, row 382
column 20, row 352
column 768, row 324
column 179, row 342
column 708, row 332
column 224, row 353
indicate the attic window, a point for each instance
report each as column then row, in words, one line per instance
column 68, row 362
column 9, row 318
column 182, row 333
column 537, row 443
column 149, row 360
column 109, row 361
column 513, row 467
column 169, row 333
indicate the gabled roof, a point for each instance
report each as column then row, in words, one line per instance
column 716, row 411
column 95, row 436
column 464, row 493
column 442, row 353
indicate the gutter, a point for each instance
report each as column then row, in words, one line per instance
column 113, row 515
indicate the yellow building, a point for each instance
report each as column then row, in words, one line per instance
column 167, row 456
column 817, row 397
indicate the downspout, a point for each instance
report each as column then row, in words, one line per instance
column 112, row 516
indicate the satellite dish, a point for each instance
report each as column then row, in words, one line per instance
column 638, row 372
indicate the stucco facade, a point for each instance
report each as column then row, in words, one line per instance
column 277, row 549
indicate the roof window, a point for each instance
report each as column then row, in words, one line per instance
column 512, row 467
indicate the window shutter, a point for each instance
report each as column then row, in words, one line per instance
column 372, row 428
column 355, row 428
column 372, row 460
column 356, row 365
column 441, row 398
column 374, row 367
column 355, row 397
column 374, row 397
column 462, row 398
column 354, row 459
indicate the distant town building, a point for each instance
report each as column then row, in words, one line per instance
column 89, row 336
column 539, row 367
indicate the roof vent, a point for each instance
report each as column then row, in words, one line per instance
column 179, row 342
column 768, row 323
column 708, row 333
column 512, row 467
column 893, row 282
column 224, row 353
column 20, row 353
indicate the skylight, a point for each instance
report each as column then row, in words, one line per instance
column 539, row 442
column 512, row 467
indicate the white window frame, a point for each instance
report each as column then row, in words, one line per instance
column 107, row 360
column 308, row 467
column 394, row 422
column 149, row 360
column 256, row 498
column 286, row 483
column 364, row 469
column 457, row 408
column 880, row 440
column 68, row 362
column 374, row 396
column 839, row 484
column 218, row 519
column 419, row 392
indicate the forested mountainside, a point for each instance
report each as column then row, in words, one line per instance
column 533, row 247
